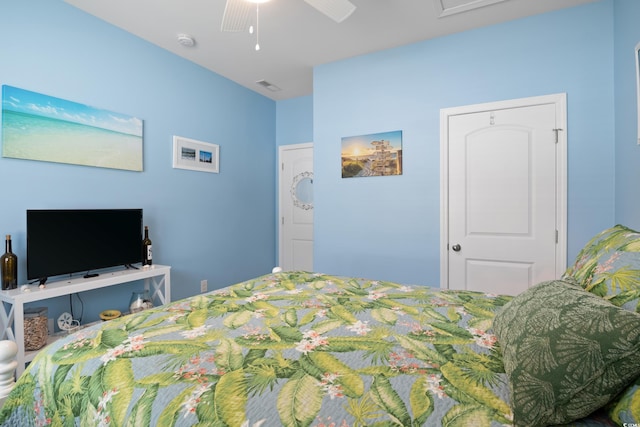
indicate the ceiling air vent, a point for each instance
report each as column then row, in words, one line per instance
column 451, row 7
column 269, row 86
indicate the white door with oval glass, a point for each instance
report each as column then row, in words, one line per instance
column 296, row 207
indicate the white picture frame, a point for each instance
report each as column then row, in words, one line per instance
column 195, row 155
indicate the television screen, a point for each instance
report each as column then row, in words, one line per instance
column 81, row 240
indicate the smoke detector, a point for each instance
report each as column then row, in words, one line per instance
column 186, row 40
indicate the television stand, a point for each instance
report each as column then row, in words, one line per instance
column 157, row 280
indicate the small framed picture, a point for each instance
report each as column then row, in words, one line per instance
column 377, row 154
column 195, row 155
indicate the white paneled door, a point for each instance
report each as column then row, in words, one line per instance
column 505, row 197
column 296, row 207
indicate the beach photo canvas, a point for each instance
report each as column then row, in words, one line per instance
column 41, row 127
column 378, row 154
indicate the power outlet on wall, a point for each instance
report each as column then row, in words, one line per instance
column 203, row 285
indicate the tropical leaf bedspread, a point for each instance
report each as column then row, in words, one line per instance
column 292, row 349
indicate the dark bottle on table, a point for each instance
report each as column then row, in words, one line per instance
column 147, row 258
column 9, row 267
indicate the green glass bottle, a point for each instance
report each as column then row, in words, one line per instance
column 147, row 257
column 9, row 267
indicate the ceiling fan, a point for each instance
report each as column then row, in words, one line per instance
column 236, row 12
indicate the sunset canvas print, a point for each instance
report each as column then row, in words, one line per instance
column 378, row 154
column 41, row 127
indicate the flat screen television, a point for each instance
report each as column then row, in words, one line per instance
column 67, row 241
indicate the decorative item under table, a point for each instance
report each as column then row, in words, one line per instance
column 36, row 330
column 140, row 300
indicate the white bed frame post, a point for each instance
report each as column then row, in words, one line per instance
column 8, row 365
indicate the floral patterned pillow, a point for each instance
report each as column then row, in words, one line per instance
column 625, row 410
column 609, row 266
column 566, row 352
column 587, row 259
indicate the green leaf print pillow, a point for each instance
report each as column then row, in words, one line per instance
column 566, row 352
column 609, row 266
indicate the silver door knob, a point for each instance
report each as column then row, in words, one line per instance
column 456, row 248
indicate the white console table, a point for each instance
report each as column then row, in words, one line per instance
column 157, row 281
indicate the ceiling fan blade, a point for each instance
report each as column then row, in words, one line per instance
column 338, row 10
column 236, row 15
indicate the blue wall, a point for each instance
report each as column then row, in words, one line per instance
column 627, row 36
column 389, row 227
column 294, row 121
column 218, row 227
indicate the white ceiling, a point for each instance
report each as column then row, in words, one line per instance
column 294, row 37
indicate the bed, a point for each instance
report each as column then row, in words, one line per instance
column 311, row 349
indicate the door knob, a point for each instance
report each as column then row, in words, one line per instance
column 456, row 248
